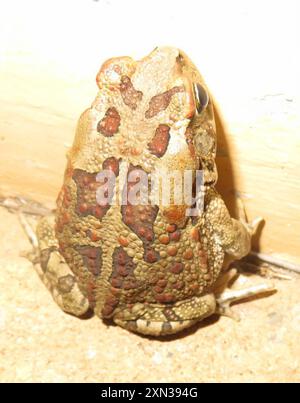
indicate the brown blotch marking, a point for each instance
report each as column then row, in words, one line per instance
column 111, row 164
column 90, row 293
column 172, row 250
column 87, row 187
column 111, row 302
column 160, row 102
column 92, row 258
column 194, row 287
column 117, row 282
column 129, row 284
column 164, row 239
column 93, row 235
column 179, row 285
column 86, row 194
column 158, row 290
column 129, row 94
column 177, row 268
column 123, row 241
column 66, row 283
column 165, row 298
column 159, row 143
column 62, row 247
column 162, row 283
column 175, row 213
column 188, row 254
column 171, row 227
column 109, row 125
column 62, row 220
column 195, row 235
column 136, row 151
column 107, row 311
column 140, row 219
column 65, row 218
column 66, row 197
column 122, row 277
column 175, row 236
column 151, row 256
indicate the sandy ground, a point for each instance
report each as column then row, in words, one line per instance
column 39, row 343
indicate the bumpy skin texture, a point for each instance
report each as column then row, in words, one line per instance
column 149, row 268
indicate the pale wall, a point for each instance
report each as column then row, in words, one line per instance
column 248, row 51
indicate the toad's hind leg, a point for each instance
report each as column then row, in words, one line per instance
column 160, row 320
column 55, row 272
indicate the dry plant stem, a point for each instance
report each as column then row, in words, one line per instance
column 24, row 205
column 28, row 230
column 275, row 261
column 231, row 296
column 228, row 297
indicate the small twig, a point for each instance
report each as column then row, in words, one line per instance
column 275, row 261
column 227, row 297
column 29, row 231
column 21, row 204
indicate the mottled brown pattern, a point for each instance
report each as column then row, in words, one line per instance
column 175, row 236
column 93, row 235
column 140, row 219
column 160, row 141
column 109, row 125
column 130, row 95
column 122, row 278
column 188, row 254
column 111, row 164
column 171, row 227
column 91, row 292
column 160, row 102
column 92, row 258
column 165, row 298
column 87, row 187
column 177, row 268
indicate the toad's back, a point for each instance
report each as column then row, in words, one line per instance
column 142, row 118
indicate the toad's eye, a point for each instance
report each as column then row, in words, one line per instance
column 201, row 97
